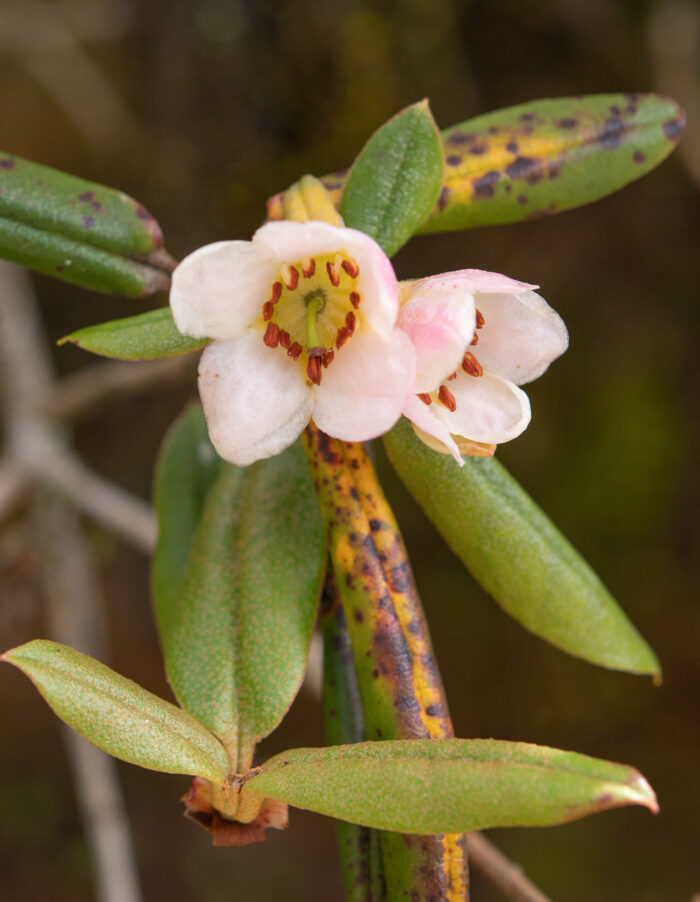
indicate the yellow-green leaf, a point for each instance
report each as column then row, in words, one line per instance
column 117, row 715
column 449, row 785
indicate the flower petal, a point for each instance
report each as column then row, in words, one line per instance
column 294, row 241
column 489, row 409
column 255, row 398
column 439, row 318
column 481, row 280
column 521, row 336
column 365, row 388
column 219, row 290
column 422, row 416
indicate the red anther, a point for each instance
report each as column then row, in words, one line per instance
column 355, row 299
column 295, row 350
column 313, row 370
column 276, row 291
column 425, row 397
column 328, row 357
column 447, row 398
column 308, row 267
column 268, row 310
column 351, row 268
column 480, row 319
column 475, row 340
column 272, row 335
column 350, row 321
column 292, row 277
column 285, row 340
column 333, row 274
column 471, row 365
column 341, row 337
column 453, row 376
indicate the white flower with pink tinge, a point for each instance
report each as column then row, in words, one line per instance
column 478, row 336
column 303, row 319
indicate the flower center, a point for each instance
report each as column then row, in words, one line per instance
column 313, row 310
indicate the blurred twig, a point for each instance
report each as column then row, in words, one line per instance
column 499, row 870
column 51, row 52
column 81, row 393
column 68, row 574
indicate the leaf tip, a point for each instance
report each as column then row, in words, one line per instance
column 641, row 793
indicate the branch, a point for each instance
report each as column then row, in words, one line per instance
column 499, row 870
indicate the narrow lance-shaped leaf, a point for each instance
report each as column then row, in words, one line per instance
column 186, row 469
column 79, row 231
column 145, row 336
column 117, row 715
column 517, row 554
column 359, row 847
column 395, row 181
column 237, row 634
column 449, row 785
column 541, row 158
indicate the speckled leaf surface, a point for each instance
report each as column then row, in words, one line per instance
column 186, row 469
column 79, row 231
column 535, row 159
column 117, row 715
column 145, row 336
column 395, row 181
column 450, row 785
column 236, row 637
column 518, row 555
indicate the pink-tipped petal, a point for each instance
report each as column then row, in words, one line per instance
column 422, row 417
column 489, row 409
column 219, row 290
column 439, row 317
column 255, row 398
column 365, row 388
column 521, row 336
column 295, row 241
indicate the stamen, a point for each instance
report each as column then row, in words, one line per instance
column 453, row 376
column 276, row 291
column 295, row 350
column 355, row 299
column 313, row 370
column 328, row 357
column 447, row 398
column 471, row 365
column 290, row 276
column 308, row 267
column 268, row 310
column 475, row 340
column 341, row 337
column 285, row 340
column 480, row 319
column 272, row 335
column 350, row 321
column 351, row 268
column 333, row 271
column 425, row 398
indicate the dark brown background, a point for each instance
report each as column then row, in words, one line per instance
column 201, row 110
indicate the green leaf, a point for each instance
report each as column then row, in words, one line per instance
column 79, row 231
column 237, row 635
column 539, row 158
column 449, row 785
column 395, row 181
column 117, row 715
column 517, row 554
column 141, row 337
column 186, row 469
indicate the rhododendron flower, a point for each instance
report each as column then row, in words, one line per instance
column 303, row 319
column 478, row 336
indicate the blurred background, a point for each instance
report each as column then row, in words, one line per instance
column 201, row 110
